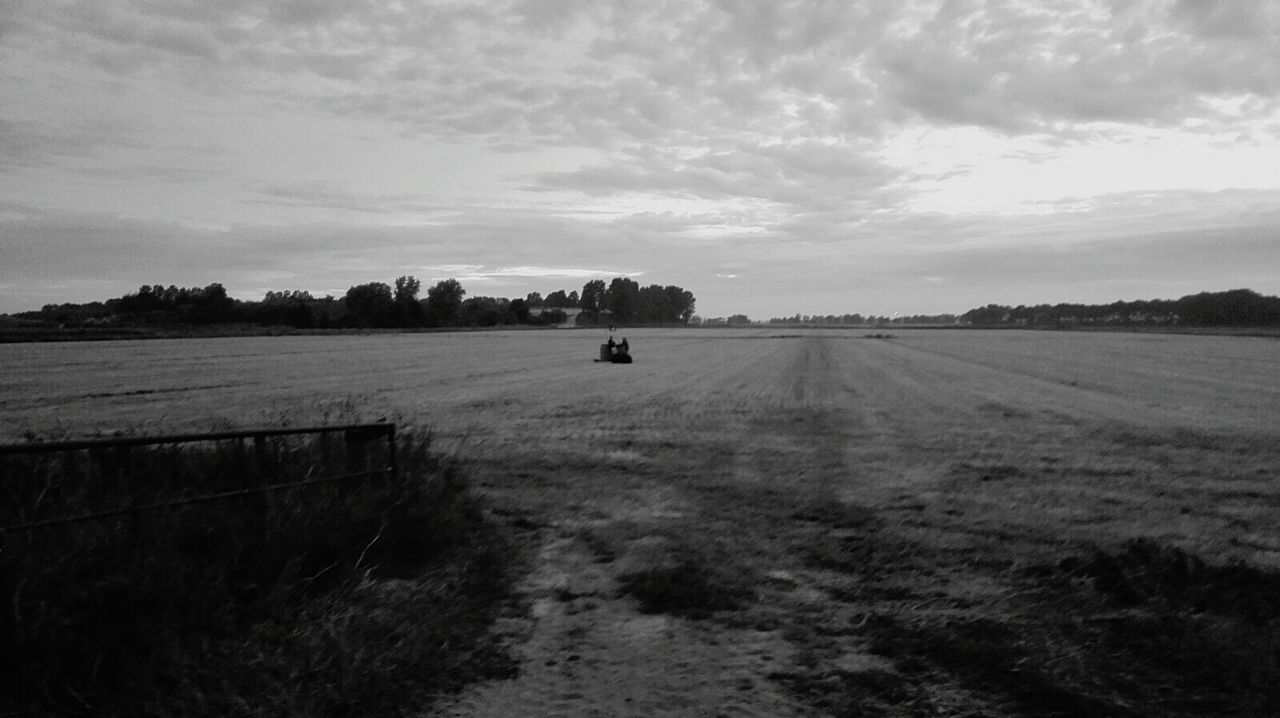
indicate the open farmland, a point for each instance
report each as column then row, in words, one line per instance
column 762, row 523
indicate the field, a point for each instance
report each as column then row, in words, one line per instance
column 757, row 522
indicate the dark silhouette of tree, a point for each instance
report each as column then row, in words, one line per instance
column 622, row 299
column 444, row 303
column 1236, row 307
column 375, row 304
column 407, row 288
column 592, row 299
column 549, row 316
column 290, row 308
column 195, row 305
column 681, row 302
column 370, row 305
column 520, row 311
column 211, row 305
column 408, row 310
column 486, row 312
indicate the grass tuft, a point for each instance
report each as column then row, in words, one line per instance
column 668, row 571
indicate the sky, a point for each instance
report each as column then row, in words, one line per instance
column 772, row 157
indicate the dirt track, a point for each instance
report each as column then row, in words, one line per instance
column 885, row 516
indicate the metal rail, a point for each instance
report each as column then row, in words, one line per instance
column 203, row 498
column 355, row 433
column 82, row 444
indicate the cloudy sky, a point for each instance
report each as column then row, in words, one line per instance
column 771, row 157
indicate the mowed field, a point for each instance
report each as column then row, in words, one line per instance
column 937, row 522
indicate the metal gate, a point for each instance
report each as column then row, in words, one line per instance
column 114, row 459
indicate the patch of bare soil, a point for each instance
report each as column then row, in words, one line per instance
column 612, row 628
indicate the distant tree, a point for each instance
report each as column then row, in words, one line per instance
column 370, row 305
column 738, row 319
column 520, row 310
column 550, row 316
column 990, row 314
column 572, row 300
column 486, row 312
column 1236, row 307
column 211, row 305
column 623, row 299
column 407, row 288
column 408, row 310
column 444, row 303
column 592, row 298
column 533, row 300
column 680, row 303
column 557, row 299
column 290, row 308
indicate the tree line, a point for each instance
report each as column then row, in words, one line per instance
column 860, row 320
column 1233, row 308
column 379, row 305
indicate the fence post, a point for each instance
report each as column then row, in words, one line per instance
column 392, row 465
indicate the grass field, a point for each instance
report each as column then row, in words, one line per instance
column 763, row 523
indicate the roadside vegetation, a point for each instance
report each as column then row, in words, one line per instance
column 365, row 596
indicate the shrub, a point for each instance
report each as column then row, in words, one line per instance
column 364, row 595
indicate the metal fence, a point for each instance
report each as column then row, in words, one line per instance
column 355, row 438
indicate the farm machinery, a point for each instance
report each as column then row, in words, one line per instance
column 615, row 352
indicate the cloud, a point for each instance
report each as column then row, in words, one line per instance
column 333, row 196
column 1019, row 68
column 702, row 137
column 32, row 143
column 689, row 74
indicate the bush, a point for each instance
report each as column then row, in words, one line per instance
column 364, row 595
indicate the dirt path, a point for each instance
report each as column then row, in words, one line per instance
column 585, row 652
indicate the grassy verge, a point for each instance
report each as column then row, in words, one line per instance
column 364, row 596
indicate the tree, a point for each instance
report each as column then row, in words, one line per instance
column 533, row 299
column 292, row 308
column 485, row 311
column 592, row 297
column 520, row 310
column 680, row 302
column 623, row 299
column 211, row 304
column 370, row 305
column 408, row 311
column 407, row 288
column 444, row 302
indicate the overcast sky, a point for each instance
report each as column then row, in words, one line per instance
column 771, row 157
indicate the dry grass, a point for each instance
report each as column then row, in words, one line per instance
column 955, row 523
